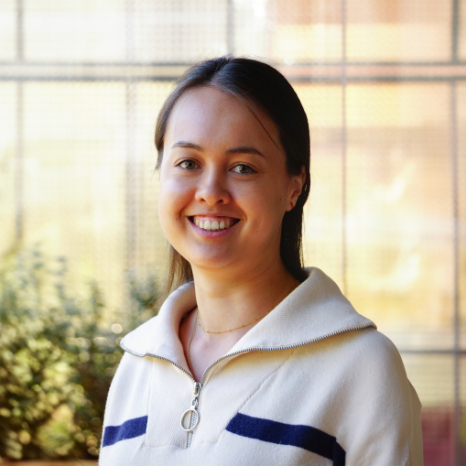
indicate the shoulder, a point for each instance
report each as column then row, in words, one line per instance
column 371, row 360
column 378, row 371
column 131, row 368
column 361, row 355
column 364, row 371
column 372, row 349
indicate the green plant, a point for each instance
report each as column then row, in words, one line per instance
column 58, row 355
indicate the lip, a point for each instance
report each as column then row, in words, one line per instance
column 212, row 233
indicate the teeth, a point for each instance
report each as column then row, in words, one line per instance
column 212, row 224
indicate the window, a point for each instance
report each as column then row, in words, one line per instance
column 384, row 85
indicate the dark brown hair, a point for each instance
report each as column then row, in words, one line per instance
column 254, row 82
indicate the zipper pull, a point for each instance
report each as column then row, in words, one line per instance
column 192, row 410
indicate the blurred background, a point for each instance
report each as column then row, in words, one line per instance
column 82, row 254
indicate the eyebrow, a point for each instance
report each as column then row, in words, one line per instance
column 234, row 150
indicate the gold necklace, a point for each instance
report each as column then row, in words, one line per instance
column 193, row 332
column 231, row 330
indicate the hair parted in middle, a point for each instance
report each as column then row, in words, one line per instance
column 255, row 84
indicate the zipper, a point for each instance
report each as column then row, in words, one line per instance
column 279, row 348
column 197, row 386
column 193, row 412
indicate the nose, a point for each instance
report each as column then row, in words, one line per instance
column 212, row 188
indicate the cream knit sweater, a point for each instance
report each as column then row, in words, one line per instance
column 313, row 383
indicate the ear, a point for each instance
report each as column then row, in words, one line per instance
column 296, row 187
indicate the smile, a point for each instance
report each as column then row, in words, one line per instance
column 213, row 224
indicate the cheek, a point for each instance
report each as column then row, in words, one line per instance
column 174, row 196
column 275, row 194
column 266, row 206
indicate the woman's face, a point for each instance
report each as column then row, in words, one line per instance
column 224, row 187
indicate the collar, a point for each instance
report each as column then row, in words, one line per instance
column 314, row 310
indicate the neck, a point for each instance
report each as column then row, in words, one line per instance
column 226, row 302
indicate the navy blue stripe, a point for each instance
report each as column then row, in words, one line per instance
column 129, row 429
column 306, row 437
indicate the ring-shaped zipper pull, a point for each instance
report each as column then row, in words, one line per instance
column 193, row 423
column 193, row 410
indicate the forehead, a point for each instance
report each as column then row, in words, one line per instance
column 208, row 114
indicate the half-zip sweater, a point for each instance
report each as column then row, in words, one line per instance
column 313, row 383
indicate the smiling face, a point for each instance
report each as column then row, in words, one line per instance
column 224, row 187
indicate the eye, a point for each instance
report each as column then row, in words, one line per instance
column 188, row 164
column 243, row 169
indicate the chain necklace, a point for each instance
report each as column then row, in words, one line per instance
column 193, row 331
column 231, row 330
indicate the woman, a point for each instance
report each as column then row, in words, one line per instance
column 253, row 359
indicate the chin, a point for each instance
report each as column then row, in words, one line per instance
column 210, row 261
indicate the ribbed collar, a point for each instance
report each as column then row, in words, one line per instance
column 316, row 309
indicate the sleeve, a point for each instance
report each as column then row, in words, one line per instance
column 384, row 409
